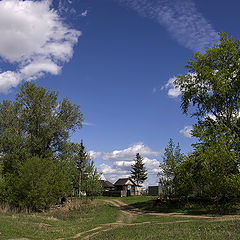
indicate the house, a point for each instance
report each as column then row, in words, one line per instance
column 127, row 187
column 107, row 186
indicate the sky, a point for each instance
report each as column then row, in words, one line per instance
column 117, row 59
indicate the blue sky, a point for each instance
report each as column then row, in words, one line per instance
column 116, row 58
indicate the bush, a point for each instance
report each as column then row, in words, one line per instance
column 38, row 184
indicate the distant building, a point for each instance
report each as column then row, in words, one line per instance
column 107, row 186
column 127, row 187
column 123, row 187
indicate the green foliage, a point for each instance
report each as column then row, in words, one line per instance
column 167, row 177
column 212, row 82
column 218, row 164
column 210, row 92
column 139, row 172
column 34, row 131
column 91, row 181
column 39, row 183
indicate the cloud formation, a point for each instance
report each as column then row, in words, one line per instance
column 94, row 155
column 34, row 40
column 129, row 153
column 187, row 131
column 120, row 161
column 173, row 92
column 181, row 19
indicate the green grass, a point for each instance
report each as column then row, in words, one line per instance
column 87, row 216
column 161, row 219
column 57, row 224
column 196, row 230
column 148, row 203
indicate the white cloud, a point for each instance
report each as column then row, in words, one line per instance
column 181, row 19
column 173, row 91
column 88, row 124
column 33, row 38
column 187, row 131
column 129, row 153
column 94, row 155
column 120, row 162
column 84, row 14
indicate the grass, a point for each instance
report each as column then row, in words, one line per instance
column 161, row 219
column 148, row 203
column 79, row 217
column 181, row 231
column 57, row 224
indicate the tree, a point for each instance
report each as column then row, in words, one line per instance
column 212, row 84
column 91, row 180
column 35, row 124
column 138, row 172
column 216, row 164
column 38, row 183
column 171, row 159
column 34, row 133
column 81, row 160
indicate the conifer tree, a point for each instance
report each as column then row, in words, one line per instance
column 138, row 171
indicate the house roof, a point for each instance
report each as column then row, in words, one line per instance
column 123, row 181
column 106, row 184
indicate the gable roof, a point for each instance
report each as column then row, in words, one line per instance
column 123, row 181
column 106, row 184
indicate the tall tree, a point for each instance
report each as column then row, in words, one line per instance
column 171, row 159
column 34, row 133
column 82, row 160
column 138, row 171
column 212, row 84
column 35, row 124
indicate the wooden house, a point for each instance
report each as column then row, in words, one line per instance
column 127, row 187
column 107, row 186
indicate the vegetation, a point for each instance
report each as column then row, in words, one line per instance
column 101, row 220
column 139, row 172
column 171, row 159
column 193, row 230
column 38, row 164
column 210, row 92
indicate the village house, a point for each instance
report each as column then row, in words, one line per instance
column 127, row 187
column 123, row 187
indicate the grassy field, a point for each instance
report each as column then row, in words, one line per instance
column 112, row 218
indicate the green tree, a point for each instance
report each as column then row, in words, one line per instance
column 138, row 171
column 212, row 83
column 34, row 133
column 211, row 93
column 35, row 124
column 81, row 160
column 38, row 183
column 171, row 159
column 217, row 164
column 91, row 181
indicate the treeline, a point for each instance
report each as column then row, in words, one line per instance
column 210, row 93
column 38, row 164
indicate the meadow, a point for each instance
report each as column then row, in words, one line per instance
column 115, row 218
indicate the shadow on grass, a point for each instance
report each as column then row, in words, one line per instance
column 193, row 207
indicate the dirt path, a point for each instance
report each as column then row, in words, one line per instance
column 129, row 213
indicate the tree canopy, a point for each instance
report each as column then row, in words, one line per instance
column 38, row 163
column 212, row 82
column 35, row 124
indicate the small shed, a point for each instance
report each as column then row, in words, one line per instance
column 127, row 187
